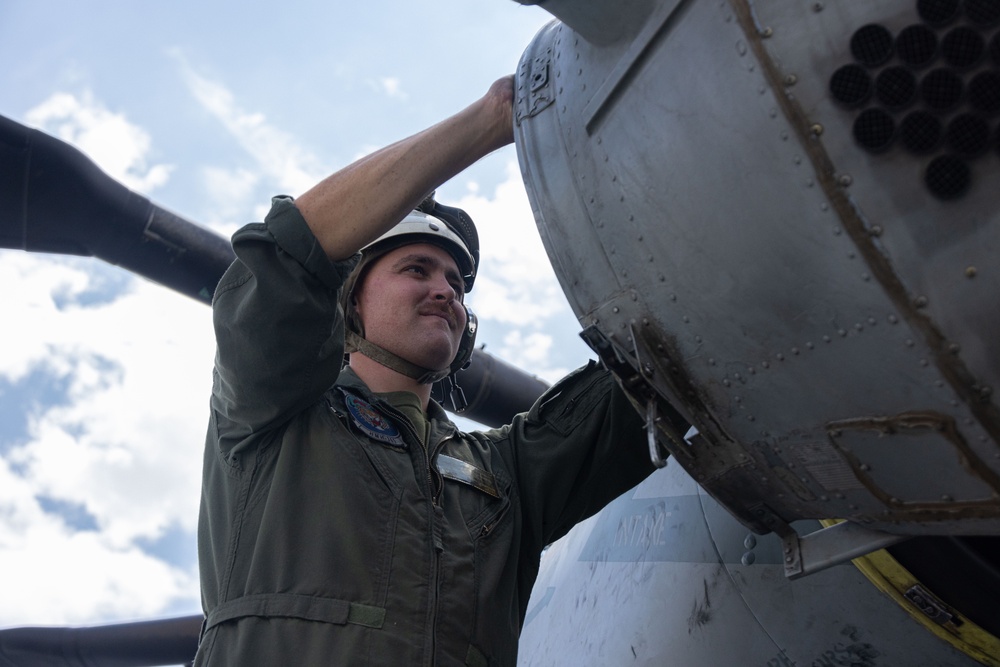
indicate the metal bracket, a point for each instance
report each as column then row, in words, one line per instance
column 634, row 381
column 655, row 451
column 608, row 353
column 540, row 95
column 831, row 546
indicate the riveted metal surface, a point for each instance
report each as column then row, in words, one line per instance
column 706, row 207
column 685, row 584
column 925, row 252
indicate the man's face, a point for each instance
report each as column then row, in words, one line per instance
column 409, row 303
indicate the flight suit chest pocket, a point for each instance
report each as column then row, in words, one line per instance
column 388, row 462
column 482, row 495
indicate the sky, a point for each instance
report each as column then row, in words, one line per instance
column 209, row 109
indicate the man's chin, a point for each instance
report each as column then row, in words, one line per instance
column 435, row 361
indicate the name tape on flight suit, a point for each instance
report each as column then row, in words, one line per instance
column 464, row 472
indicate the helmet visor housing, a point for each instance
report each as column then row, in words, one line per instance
column 420, row 227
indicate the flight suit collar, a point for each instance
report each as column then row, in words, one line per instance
column 441, row 427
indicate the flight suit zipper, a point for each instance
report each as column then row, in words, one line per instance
column 436, row 520
column 495, row 521
column 437, row 528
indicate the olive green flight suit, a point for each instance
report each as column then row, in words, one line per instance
column 329, row 534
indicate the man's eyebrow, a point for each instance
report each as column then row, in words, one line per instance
column 428, row 260
column 415, row 258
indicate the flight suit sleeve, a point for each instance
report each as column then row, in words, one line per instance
column 580, row 446
column 278, row 325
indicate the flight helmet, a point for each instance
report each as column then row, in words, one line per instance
column 448, row 227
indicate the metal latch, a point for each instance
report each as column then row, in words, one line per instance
column 929, row 605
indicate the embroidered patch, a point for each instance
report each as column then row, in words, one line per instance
column 372, row 423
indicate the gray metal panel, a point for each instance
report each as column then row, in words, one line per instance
column 931, row 244
column 693, row 214
column 832, row 617
column 600, row 601
column 941, row 252
column 665, row 576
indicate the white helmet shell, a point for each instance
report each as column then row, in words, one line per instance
column 429, row 229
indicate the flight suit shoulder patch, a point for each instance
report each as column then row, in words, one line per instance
column 371, row 422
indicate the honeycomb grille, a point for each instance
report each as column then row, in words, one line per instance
column 933, row 89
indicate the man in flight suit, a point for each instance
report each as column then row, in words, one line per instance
column 345, row 520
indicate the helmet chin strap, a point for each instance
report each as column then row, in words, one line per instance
column 392, row 361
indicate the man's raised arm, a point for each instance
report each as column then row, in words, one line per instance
column 357, row 204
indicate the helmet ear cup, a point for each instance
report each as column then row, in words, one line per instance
column 468, row 343
column 348, row 301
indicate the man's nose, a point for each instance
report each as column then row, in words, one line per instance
column 443, row 290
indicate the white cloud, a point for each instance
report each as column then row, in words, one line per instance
column 108, row 138
column 517, row 285
column 75, row 577
column 532, row 351
column 33, row 305
column 112, row 449
column 276, row 153
column 517, row 290
column 126, row 446
column 391, row 87
column 232, row 192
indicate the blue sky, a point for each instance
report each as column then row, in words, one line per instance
column 210, row 109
